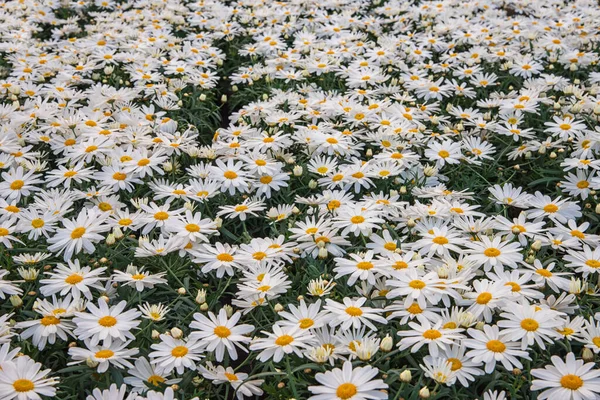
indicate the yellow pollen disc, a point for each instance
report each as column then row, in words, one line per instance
column 73, row 279
column 346, row 391
column 23, row 385
column 50, row 320
column 570, row 381
column 77, row 233
column 495, row 346
column 222, row 331
column 364, row 265
column 357, row 219
column 230, row 175
column 107, row 321
column 484, row 298
column 104, row 354
column 306, row 323
column 354, row 311
column 284, row 340
column 179, row 351
column 432, row 334
column 491, row 252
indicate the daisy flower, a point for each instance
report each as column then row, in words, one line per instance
column 349, row 383
column 218, row 333
column 105, row 323
column 491, row 346
column 570, row 379
column 23, row 379
column 283, row 340
column 353, row 313
column 175, row 354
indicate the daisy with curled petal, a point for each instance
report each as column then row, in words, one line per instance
column 590, row 335
column 543, row 275
column 438, row 369
column 218, row 333
column 112, row 393
column 7, row 288
column 115, row 354
column 23, row 379
column 144, row 375
column 439, row 240
column 570, row 379
column 349, row 383
column 138, row 278
column 17, row 183
column 529, row 324
column 356, row 220
column 353, row 313
column 175, row 354
column 219, row 257
column 304, row 317
column 361, row 266
column 433, row 335
column 510, row 196
column 414, row 287
column 464, row 368
column 72, row 279
column 238, row 380
column 487, row 296
column 491, row 346
column 494, row 253
column 79, row 234
column 584, row 261
column 242, row 210
column 192, row 227
column 105, row 323
column 283, row 340
column 154, row 312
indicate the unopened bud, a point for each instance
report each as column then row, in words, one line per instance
column 278, row 308
column 201, row 296
column 537, row 245
column 181, row 291
column 406, row 376
column 298, row 170
column 155, row 334
column 203, row 307
column 228, row 310
column 176, row 333
column 424, row 393
column 587, row 354
column 386, row 343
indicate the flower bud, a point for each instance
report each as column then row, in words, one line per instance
column 91, row 363
column 406, row 376
column 424, row 393
column 537, row 245
column 224, row 98
column 323, row 253
column 203, row 307
column 387, row 343
column 312, row 184
column 181, row 291
column 298, row 170
column 202, row 97
column 176, row 333
column 587, row 354
column 228, row 310
column 16, row 301
column 278, row 307
column 201, row 296
column 155, row 334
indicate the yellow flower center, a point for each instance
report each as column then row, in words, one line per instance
column 23, row 385
column 155, row 380
column 364, row 265
column 357, row 219
column 74, row 279
column 484, row 298
column 230, row 175
column 432, row 334
column 443, row 154
column 17, row 184
column 107, row 321
column 222, row 331
column 417, row 284
column 225, row 257
column 354, row 311
column 530, row 325
column 37, row 223
column 192, row 228
column 284, row 340
column 491, row 252
column 551, row 208
column 570, row 381
column 346, row 391
column 104, row 354
column 456, row 364
column 495, row 346
column 440, row 240
column 306, row 323
column 179, row 351
column 77, row 233
column 50, row 320
column 161, row 215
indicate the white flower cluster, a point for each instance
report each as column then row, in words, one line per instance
column 299, row 199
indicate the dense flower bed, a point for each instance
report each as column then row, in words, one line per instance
column 332, row 199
